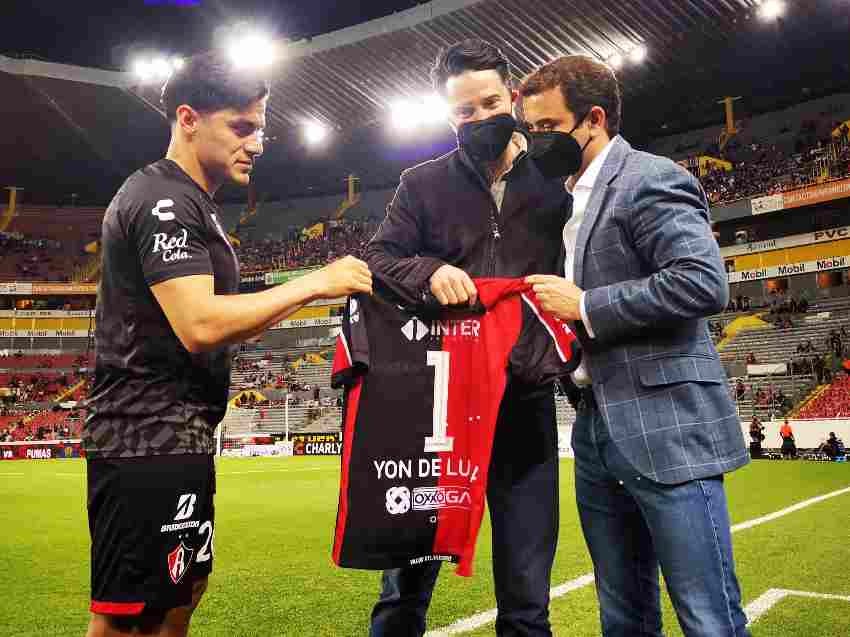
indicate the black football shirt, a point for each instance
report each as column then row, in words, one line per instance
column 422, row 401
column 150, row 395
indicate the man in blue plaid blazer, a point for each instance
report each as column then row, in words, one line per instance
column 656, row 428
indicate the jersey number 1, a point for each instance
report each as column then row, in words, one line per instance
column 439, row 441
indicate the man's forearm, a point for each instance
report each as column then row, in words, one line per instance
column 626, row 308
column 228, row 319
column 413, row 271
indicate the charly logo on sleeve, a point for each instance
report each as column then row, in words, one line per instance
column 158, row 210
column 172, row 248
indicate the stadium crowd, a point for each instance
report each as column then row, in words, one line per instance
column 761, row 168
column 26, row 424
column 36, row 259
column 305, row 249
column 758, row 169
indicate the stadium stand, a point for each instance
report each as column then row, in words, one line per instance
column 48, row 243
column 770, row 153
column 811, row 353
column 834, row 402
column 57, row 361
column 30, row 425
column 790, row 130
column 300, row 249
column 33, row 386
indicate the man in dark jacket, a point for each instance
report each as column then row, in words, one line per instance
column 483, row 210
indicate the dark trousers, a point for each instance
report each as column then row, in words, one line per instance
column 522, row 495
column 633, row 525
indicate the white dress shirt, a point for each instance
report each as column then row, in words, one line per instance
column 581, row 191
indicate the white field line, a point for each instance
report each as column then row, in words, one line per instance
column 793, row 508
column 468, row 624
column 758, row 607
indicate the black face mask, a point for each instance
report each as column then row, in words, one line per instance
column 485, row 141
column 557, row 154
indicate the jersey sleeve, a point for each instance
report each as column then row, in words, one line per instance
column 546, row 349
column 352, row 345
column 170, row 238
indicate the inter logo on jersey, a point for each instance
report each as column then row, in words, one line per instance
column 179, row 561
column 415, row 330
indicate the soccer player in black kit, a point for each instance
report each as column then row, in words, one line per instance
column 167, row 313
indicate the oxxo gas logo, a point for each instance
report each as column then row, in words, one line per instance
column 428, row 498
column 172, row 248
column 398, row 500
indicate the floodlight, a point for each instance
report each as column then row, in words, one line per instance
column 252, row 50
column 143, row 70
column 771, row 10
column 638, row 54
column 315, row 133
column 615, row 60
column 434, row 109
column 161, row 68
column 405, row 114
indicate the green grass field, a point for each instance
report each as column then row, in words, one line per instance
column 273, row 574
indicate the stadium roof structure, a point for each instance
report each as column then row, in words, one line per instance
column 83, row 130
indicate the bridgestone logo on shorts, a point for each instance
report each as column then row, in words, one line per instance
column 191, row 524
column 427, row 498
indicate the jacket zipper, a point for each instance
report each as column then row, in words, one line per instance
column 496, row 234
column 495, row 230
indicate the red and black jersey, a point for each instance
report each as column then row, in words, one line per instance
column 421, row 403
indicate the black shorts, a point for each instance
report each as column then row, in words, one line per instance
column 151, row 523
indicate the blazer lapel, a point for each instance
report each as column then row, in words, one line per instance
column 610, row 169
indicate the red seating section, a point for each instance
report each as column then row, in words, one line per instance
column 834, row 402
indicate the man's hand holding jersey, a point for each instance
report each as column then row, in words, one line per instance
column 342, row 277
column 558, row 296
column 204, row 320
column 453, row 286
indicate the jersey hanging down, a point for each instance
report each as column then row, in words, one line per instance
column 422, row 400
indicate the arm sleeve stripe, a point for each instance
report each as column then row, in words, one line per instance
column 561, row 354
column 344, row 341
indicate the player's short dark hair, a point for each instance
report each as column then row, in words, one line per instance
column 584, row 82
column 469, row 55
column 209, row 83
